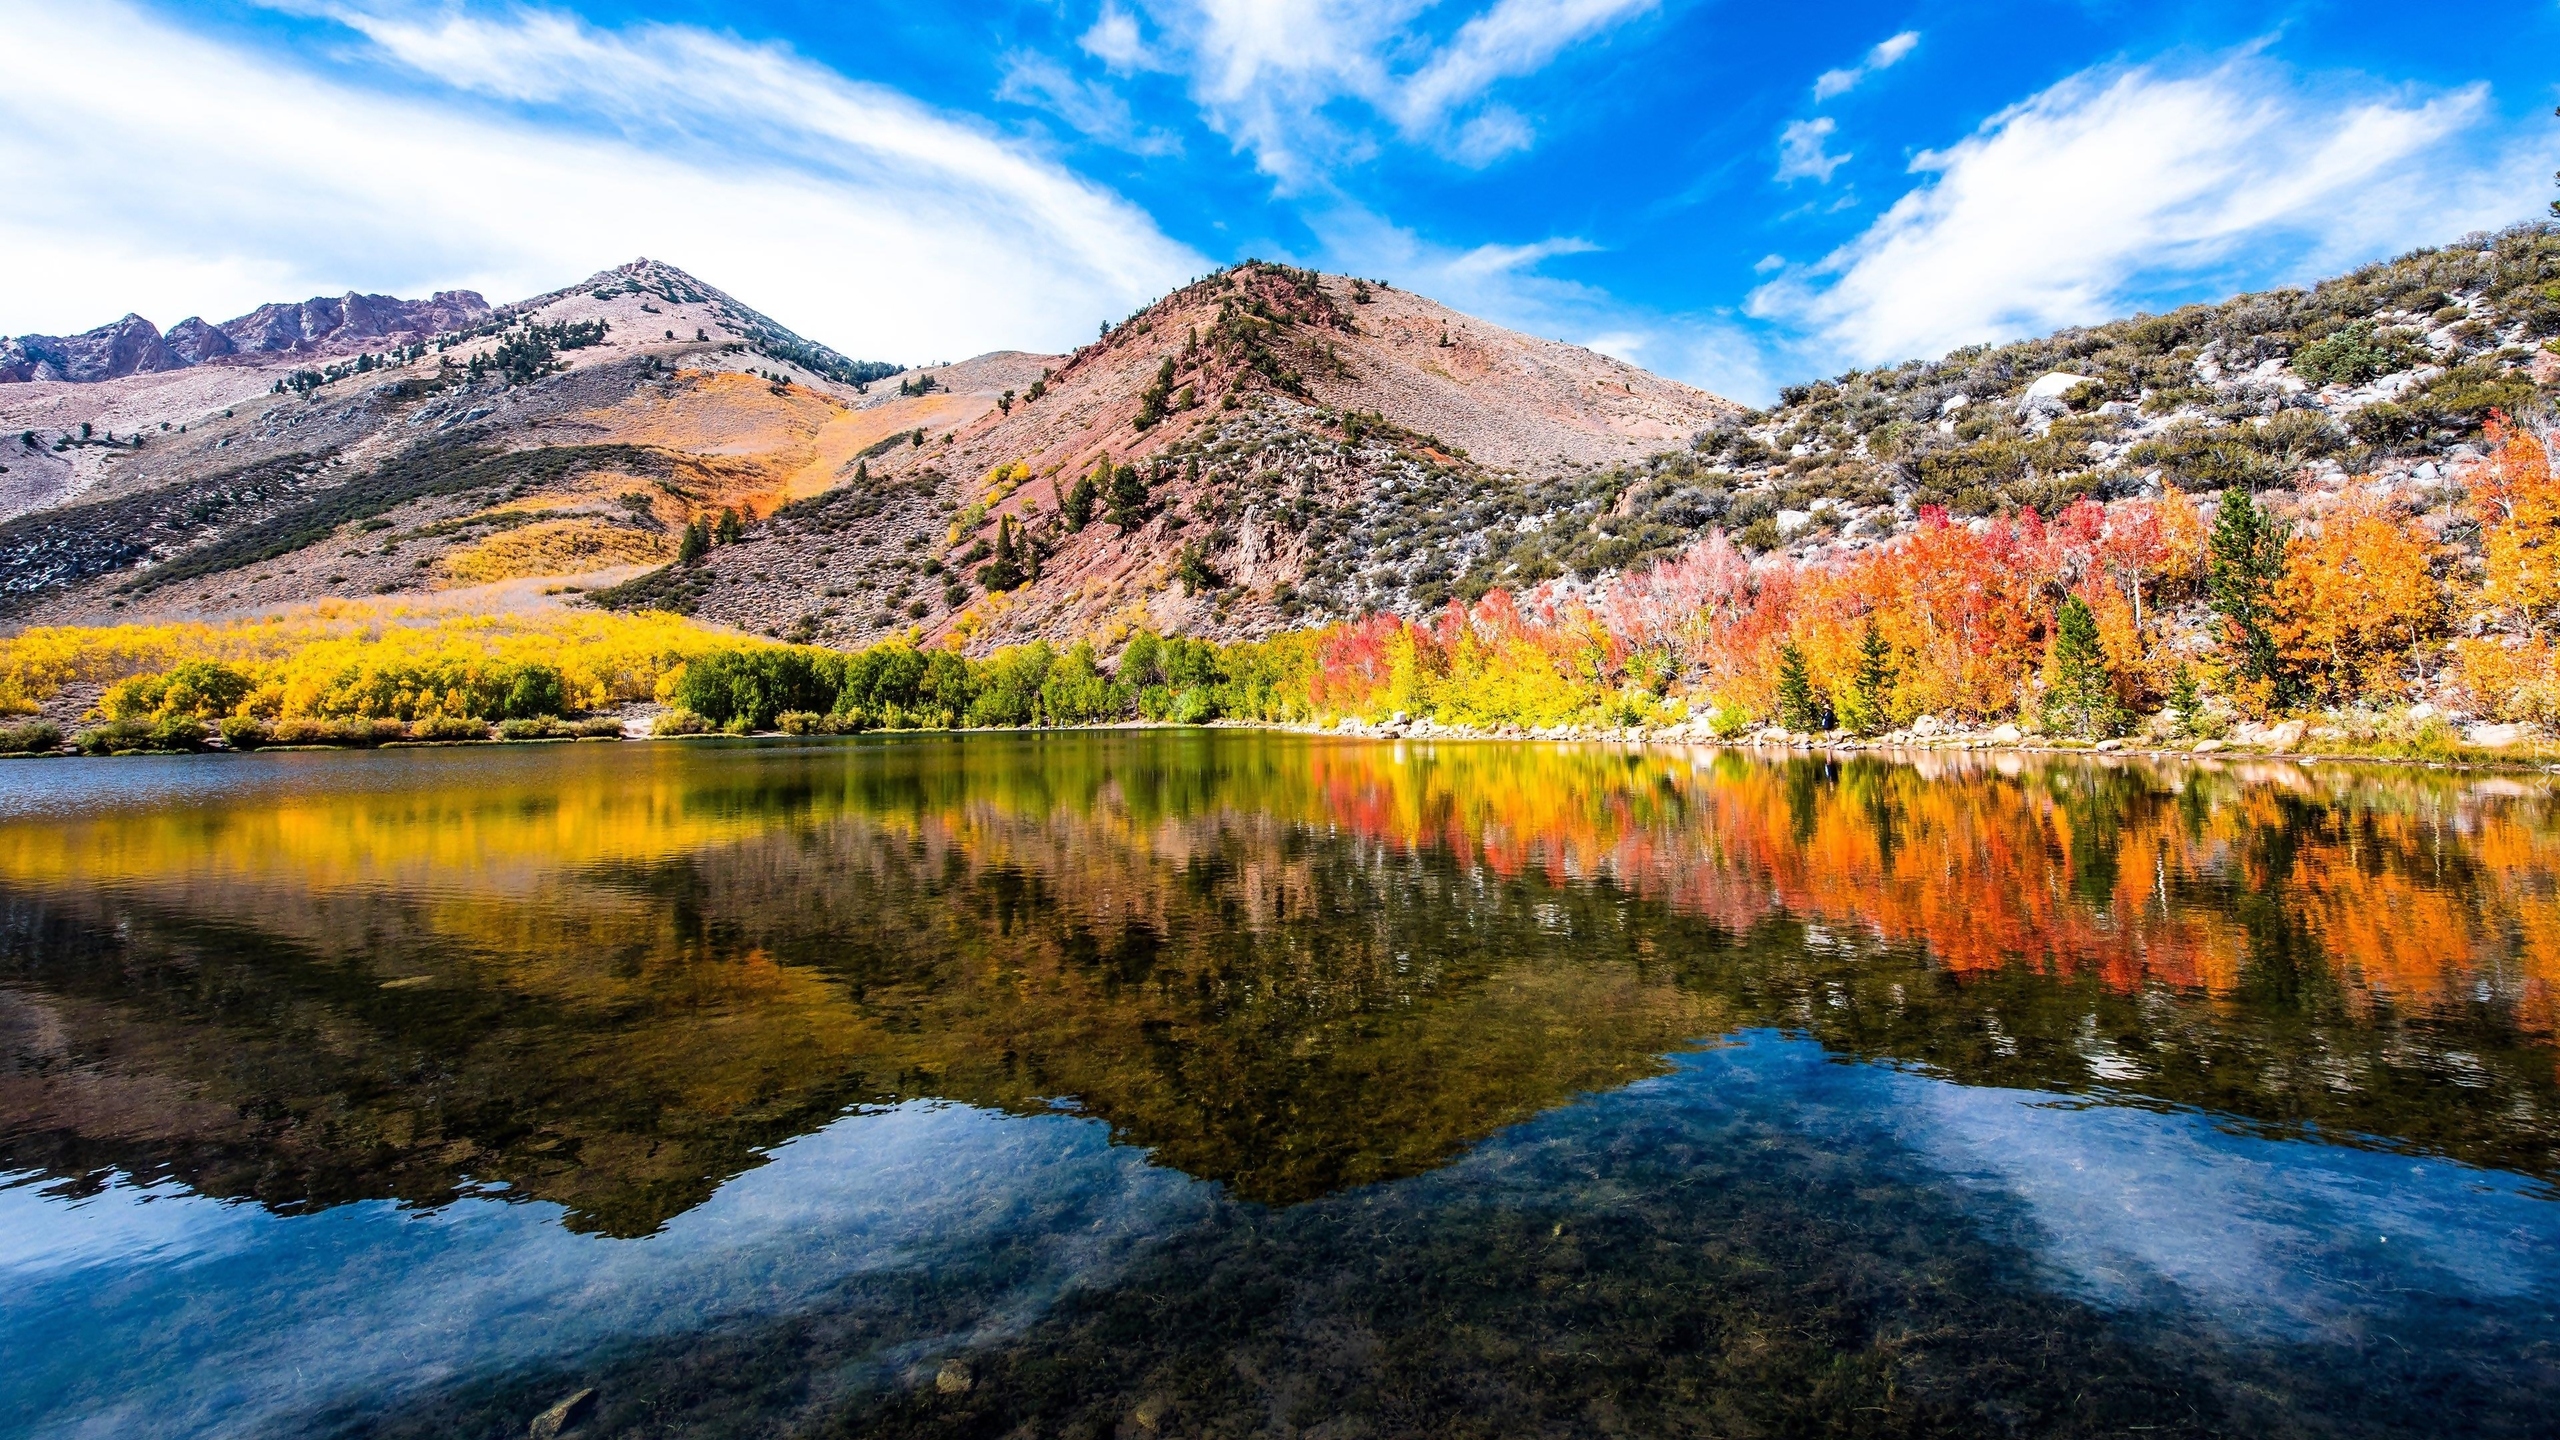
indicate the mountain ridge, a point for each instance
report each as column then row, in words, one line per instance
column 1265, row 448
column 322, row 326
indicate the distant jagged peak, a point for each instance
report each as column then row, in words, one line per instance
column 323, row 325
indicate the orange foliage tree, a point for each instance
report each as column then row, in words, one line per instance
column 2518, row 504
column 2357, row 596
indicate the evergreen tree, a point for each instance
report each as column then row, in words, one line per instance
column 1077, row 508
column 1799, row 708
column 1193, row 570
column 731, row 529
column 1151, row 401
column 1871, row 685
column 2244, row 558
column 1004, row 572
column 2182, row 693
column 696, row 543
column 1127, row 498
column 2081, row 698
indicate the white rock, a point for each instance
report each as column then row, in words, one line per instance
column 1954, row 403
column 2207, row 747
column 2497, row 737
column 2045, row 395
column 2006, row 735
column 1791, row 521
column 2421, row 712
column 1925, row 725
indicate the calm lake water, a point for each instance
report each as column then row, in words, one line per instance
column 1221, row 1083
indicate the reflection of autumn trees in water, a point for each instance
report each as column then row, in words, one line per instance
column 609, row 976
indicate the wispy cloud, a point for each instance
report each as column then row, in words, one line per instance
column 1515, row 37
column 1114, row 40
column 536, row 149
column 1095, row 110
column 2118, row 181
column 1801, row 155
column 1270, row 74
column 1886, row 54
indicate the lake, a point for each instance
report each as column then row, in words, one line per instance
column 1215, row 1082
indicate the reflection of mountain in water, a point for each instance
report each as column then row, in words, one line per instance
column 613, row 977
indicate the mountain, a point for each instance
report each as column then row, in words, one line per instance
column 1309, row 445
column 318, row 327
column 570, row 439
column 1265, row 448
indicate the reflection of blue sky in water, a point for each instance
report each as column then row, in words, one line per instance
column 152, row 1312
column 2283, row 1240
column 158, row 1313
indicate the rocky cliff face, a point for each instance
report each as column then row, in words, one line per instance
column 320, row 327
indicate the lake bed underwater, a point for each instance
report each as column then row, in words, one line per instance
column 1221, row 1082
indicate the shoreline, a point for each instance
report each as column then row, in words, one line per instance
column 2538, row 759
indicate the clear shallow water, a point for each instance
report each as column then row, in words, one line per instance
column 1229, row 1083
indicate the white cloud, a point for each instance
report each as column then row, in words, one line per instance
column 1497, row 132
column 847, row 211
column 1095, row 110
column 2059, row 210
column 1515, row 37
column 1114, row 40
column 1800, row 151
column 1886, row 54
column 1267, row 74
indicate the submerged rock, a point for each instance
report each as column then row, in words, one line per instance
column 564, row 1417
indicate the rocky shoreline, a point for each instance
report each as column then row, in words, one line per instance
column 2504, row 747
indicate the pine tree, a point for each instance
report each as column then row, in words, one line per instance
column 1193, row 570
column 2081, row 698
column 1127, row 497
column 2182, row 693
column 696, row 543
column 1871, row 685
column 1077, row 508
column 1004, row 572
column 1799, row 708
column 2244, row 559
column 731, row 529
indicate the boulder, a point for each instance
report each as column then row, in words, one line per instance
column 2284, row 736
column 2207, row 747
column 2497, row 737
column 2044, row 397
column 2006, row 735
column 1925, row 725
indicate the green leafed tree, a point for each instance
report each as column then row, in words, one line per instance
column 1870, row 696
column 1005, row 571
column 2243, row 560
column 1127, row 498
column 2080, row 695
column 1077, row 508
column 1799, row 707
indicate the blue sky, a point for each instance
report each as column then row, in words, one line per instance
column 1734, row 194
